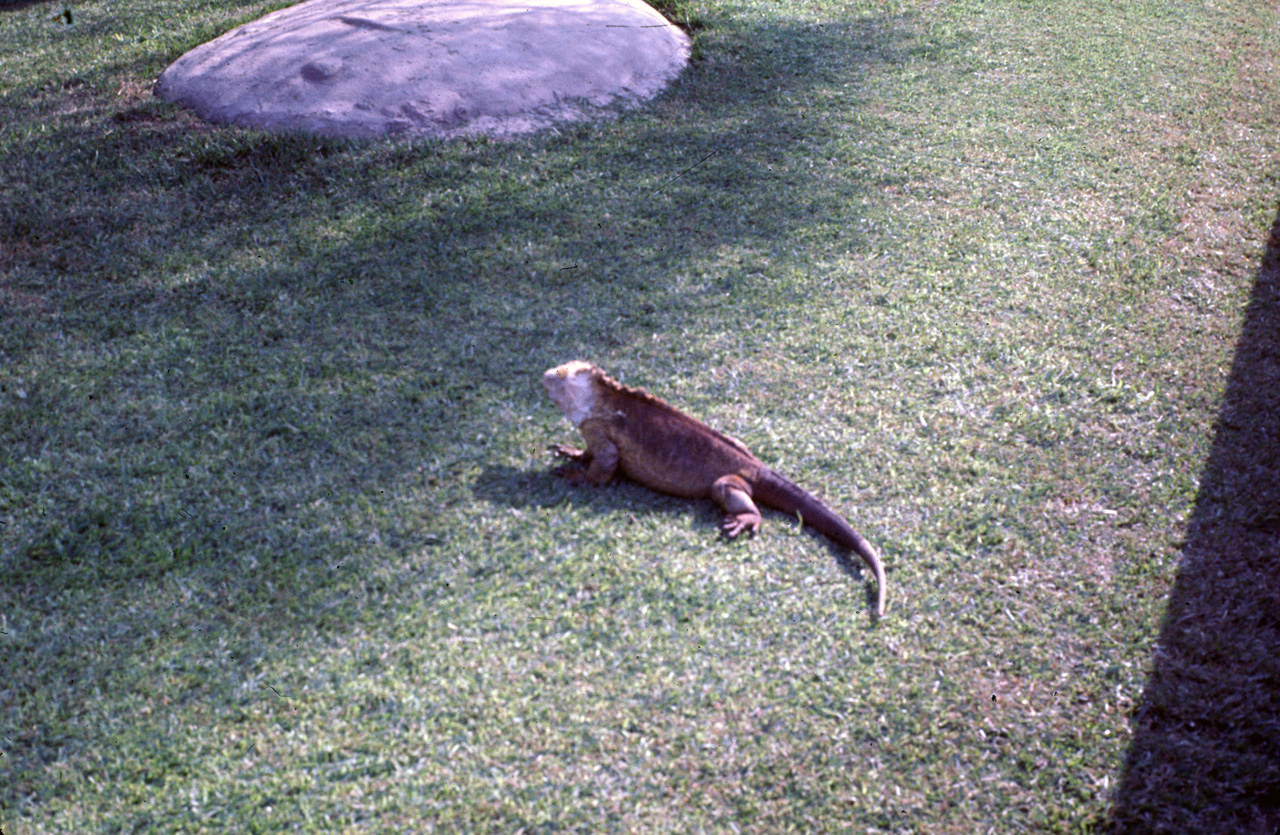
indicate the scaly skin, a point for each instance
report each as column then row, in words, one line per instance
column 649, row 441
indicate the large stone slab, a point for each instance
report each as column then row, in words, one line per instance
column 370, row 68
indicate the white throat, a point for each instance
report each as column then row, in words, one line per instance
column 570, row 387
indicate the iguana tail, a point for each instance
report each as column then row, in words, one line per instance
column 781, row 493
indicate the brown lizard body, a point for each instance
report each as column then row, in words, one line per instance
column 649, row 441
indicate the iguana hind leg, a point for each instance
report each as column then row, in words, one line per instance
column 733, row 494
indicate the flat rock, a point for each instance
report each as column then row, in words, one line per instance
column 442, row 68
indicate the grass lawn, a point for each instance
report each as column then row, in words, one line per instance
column 279, row 545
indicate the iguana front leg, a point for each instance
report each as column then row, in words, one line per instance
column 570, row 452
column 600, row 456
column 733, row 494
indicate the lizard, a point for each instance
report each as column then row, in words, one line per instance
column 632, row 432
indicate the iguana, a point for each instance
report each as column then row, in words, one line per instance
column 649, row 441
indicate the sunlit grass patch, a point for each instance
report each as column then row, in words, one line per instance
column 280, row 546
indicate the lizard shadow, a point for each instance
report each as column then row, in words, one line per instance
column 845, row 559
column 544, row 487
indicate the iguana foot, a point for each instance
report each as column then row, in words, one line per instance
column 733, row 494
column 736, row 524
column 566, row 451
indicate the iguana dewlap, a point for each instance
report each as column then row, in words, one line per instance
column 630, row 431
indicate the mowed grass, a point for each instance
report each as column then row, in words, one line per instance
column 280, row 549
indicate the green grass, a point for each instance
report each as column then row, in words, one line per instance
column 279, row 546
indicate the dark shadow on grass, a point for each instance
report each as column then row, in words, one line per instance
column 510, row 487
column 503, row 485
column 71, row 256
column 18, row 5
column 250, row 337
column 1205, row 756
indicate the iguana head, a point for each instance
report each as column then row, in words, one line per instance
column 570, row 387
